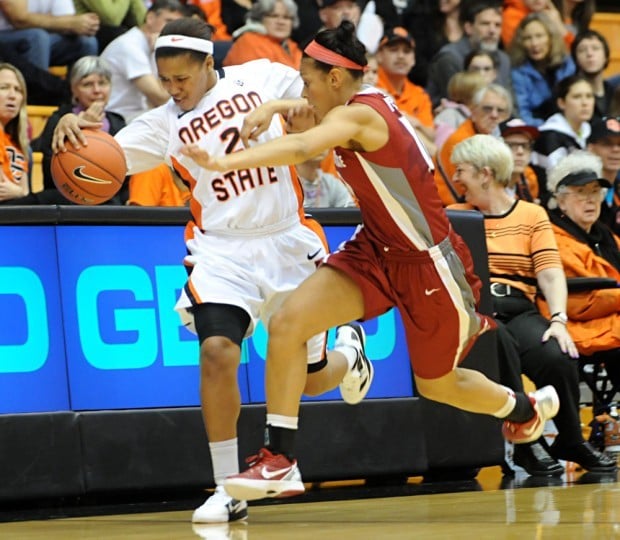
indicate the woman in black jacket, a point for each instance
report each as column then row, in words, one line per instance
column 90, row 82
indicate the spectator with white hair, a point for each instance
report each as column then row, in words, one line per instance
column 588, row 249
column 524, row 258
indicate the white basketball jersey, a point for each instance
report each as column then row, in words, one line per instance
column 246, row 199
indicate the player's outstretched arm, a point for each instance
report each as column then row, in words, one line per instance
column 339, row 127
column 70, row 127
column 258, row 121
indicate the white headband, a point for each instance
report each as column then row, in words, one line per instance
column 185, row 42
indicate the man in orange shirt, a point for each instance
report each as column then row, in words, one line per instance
column 396, row 57
column 491, row 105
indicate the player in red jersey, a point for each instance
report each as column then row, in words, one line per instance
column 405, row 255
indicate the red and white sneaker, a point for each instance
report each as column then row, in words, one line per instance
column 546, row 404
column 268, row 475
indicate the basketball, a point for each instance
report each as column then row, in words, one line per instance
column 94, row 173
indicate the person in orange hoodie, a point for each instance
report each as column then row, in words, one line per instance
column 267, row 34
column 588, row 249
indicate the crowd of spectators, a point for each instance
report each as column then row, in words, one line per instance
column 531, row 74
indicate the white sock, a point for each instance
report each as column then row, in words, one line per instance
column 350, row 353
column 279, row 420
column 508, row 407
column 225, row 459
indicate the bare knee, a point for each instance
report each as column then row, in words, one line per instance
column 219, row 358
column 286, row 326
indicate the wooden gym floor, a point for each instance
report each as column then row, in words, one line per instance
column 490, row 507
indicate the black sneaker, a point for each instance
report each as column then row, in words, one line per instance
column 585, row 456
column 535, row 459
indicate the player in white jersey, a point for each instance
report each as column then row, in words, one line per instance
column 249, row 243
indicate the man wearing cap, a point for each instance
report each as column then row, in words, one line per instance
column 482, row 23
column 135, row 86
column 604, row 141
column 520, row 137
column 396, row 57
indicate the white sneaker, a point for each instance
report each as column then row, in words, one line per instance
column 356, row 382
column 220, row 508
column 546, row 404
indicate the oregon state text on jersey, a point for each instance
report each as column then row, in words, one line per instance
column 247, row 199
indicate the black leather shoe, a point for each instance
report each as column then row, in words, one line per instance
column 535, row 459
column 585, row 456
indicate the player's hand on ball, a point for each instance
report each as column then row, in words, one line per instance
column 202, row 157
column 69, row 128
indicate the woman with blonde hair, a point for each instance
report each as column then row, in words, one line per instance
column 539, row 60
column 14, row 145
column 523, row 259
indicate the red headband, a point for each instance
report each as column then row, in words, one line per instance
column 323, row 54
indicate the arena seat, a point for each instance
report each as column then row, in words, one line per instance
column 608, row 25
column 37, row 118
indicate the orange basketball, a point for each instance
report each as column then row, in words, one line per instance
column 94, row 173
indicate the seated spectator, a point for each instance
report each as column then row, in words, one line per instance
column 523, row 257
column 457, row 108
column 14, row 145
column 590, row 52
column 321, row 189
column 157, row 187
column 604, row 141
column 568, row 129
column 482, row 21
column 49, row 33
column 90, row 81
column 396, row 57
column 519, row 138
column 135, row 85
column 539, row 61
column 267, row 34
column 516, row 10
column 492, row 104
column 588, row 249
column 432, row 24
column 116, row 17
column 483, row 62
